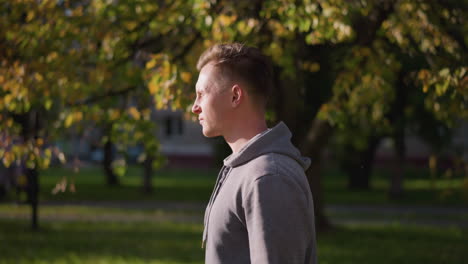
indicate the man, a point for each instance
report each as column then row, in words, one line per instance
column 261, row 209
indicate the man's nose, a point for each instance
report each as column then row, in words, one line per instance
column 195, row 108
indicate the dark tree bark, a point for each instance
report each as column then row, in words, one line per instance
column 148, row 174
column 358, row 165
column 111, row 178
column 33, row 195
column 30, row 126
column 313, row 147
column 396, row 188
column 399, row 123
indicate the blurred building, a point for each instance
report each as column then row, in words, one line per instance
column 182, row 141
column 418, row 151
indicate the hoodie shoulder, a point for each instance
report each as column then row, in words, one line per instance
column 271, row 164
column 275, row 140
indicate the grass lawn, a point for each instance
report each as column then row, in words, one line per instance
column 419, row 189
column 196, row 185
column 100, row 242
column 170, row 185
column 151, row 242
column 80, row 234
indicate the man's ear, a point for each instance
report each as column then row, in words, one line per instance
column 237, row 95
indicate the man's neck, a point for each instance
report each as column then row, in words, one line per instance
column 241, row 134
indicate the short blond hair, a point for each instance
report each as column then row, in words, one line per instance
column 244, row 63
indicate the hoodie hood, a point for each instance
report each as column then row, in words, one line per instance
column 274, row 140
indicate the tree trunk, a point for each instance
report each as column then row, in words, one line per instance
column 111, row 177
column 396, row 187
column 148, row 174
column 399, row 123
column 358, row 165
column 313, row 146
column 314, row 174
column 30, row 126
column 33, row 193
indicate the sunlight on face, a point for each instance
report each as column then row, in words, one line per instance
column 212, row 102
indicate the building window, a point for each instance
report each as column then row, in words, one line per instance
column 168, row 124
column 174, row 125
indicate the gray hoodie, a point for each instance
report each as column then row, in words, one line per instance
column 261, row 209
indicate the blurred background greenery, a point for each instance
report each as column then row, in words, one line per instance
column 351, row 78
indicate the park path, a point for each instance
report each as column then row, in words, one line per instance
column 192, row 212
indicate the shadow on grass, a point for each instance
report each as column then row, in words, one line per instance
column 393, row 244
column 107, row 242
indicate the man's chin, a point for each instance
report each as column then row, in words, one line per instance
column 209, row 134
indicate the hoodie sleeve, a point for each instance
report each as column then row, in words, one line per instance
column 279, row 219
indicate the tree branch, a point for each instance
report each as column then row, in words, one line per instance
column 97, row 98
column 366, row 27
column 187, row 47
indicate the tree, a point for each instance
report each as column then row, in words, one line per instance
column 62, row 65
column 342, row 64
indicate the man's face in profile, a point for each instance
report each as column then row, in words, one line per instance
column 212, row 102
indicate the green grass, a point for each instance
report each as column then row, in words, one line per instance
column 98, row 212
column 170, row 185
column 81, row 234
column 393, row 244
column 419, row 189
column 100, row 242
column 149, row 242
column 195, row 185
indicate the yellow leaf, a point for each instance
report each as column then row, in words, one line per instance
column 30, row 16
column 425, row 88
column 113, row 114
column 226, row 20
column 8, row 158
column 68, row 121
column 186, row 76
column 20, row 70
column 78, row 11
column 146, row 114
column 7, row 99
column 78, row 116
column 48, row 104
column 314, row 67
column 52, row 56
column 150, row 64
column 423, row 74
column 45, row 163
column 48, row 152
column 153, row 88
column 134, row 113
column 38, row 77
column 131, row 25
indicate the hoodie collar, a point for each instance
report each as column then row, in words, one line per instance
column 274, row 140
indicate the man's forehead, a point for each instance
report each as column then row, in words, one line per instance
column 208, row 77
